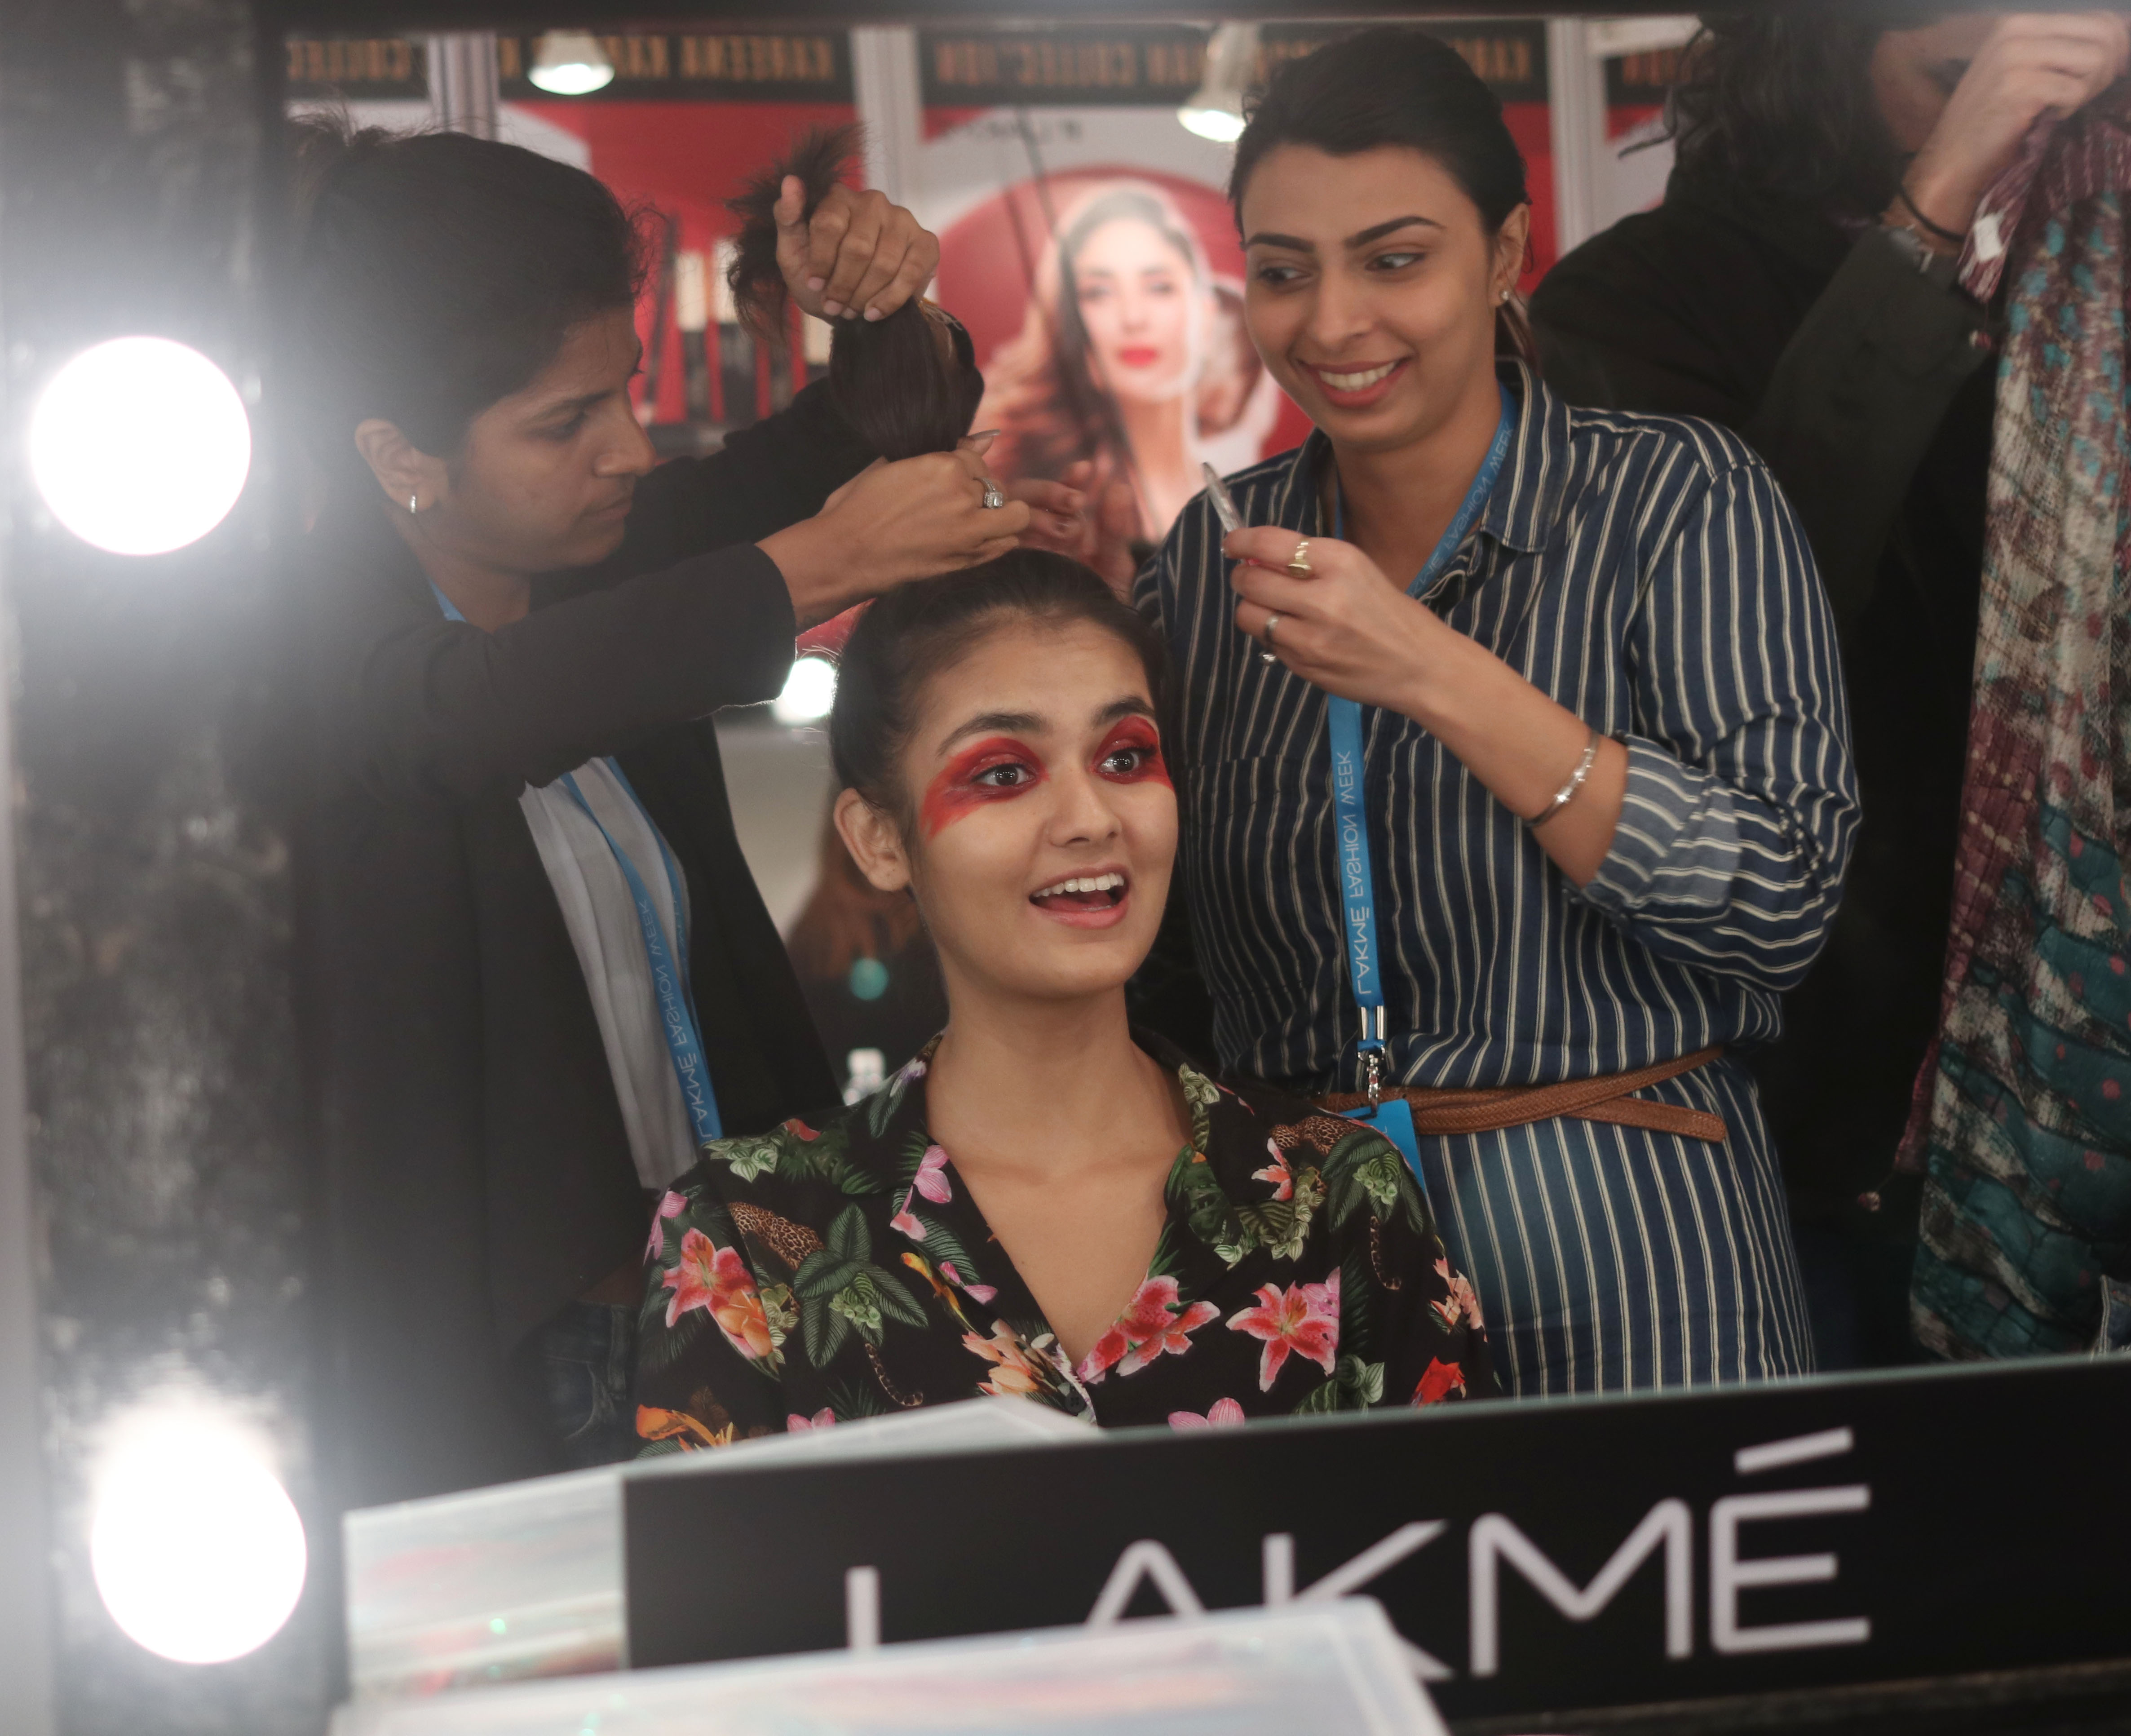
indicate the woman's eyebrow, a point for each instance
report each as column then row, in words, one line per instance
column 1005, row 723
column 570, row 406
column 587, row 400
column 1377, row 231
column 1361, row 239
column 1131, row 706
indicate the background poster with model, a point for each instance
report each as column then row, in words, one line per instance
column 1087, row 243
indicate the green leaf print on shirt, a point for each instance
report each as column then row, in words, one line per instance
column 840, row 1289
column 1355, row 1385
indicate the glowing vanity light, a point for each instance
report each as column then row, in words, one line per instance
column 1217, row 124
column 809, row 690
column 139, row 445
column 1215, row 110
column 570, row 63
column 196, row 1550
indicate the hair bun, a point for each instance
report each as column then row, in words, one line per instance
column 324, row 146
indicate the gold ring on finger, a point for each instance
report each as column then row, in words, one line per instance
column 1298, row 562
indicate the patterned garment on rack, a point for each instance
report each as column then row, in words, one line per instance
column 2022, row 1117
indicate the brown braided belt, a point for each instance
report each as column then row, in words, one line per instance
column 1609, row 1097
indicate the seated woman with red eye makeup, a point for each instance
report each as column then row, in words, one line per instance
column 1044, row 1204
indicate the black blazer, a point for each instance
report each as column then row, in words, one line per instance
column 473, row 1174
column 1862, row 383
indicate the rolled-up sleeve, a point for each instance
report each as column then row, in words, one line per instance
column 1741, row 801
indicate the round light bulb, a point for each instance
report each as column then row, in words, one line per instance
column 1223, row 126
column 139, row 445
column 570, row 63
column 810, row 690
column 196, row 1550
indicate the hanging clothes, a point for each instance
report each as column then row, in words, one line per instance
column 2022, row 1115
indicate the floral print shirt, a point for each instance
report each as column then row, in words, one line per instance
column 811, row 1276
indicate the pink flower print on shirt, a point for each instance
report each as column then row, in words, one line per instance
column 796, row 1424
column 716, row 1278
column 671, row 1204
column 1153, row 1321
column 1277, row 1174
column 1461, row 1304
column 983, row 1292
column 1304, row 1318
column 932, row 1180
column 1224, row 1413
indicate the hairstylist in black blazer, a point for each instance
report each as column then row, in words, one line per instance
column 465, row 335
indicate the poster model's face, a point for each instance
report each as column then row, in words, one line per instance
column 1137, row 296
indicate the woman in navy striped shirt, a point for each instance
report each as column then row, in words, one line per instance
column 1597, row 750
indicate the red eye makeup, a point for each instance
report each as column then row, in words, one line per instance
column 997, row 770
column 1135, row 747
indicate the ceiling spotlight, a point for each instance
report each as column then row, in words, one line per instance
column 1215, row 110
column 810, row 690
column 139, row 445
column 196, row 1548
column 570, row 63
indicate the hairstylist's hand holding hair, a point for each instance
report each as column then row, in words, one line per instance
column 2029, row 64
column 858, row 253
column 1060, row 519
column 892, row 523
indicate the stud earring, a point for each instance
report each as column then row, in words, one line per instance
column 1506, row 297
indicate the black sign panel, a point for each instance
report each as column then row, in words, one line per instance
column 1509, row 53
column 357, row 68
column 1634, row 81
column 736, row 65
column 1083, row 65
column 1582, row 1553
column 705, row 65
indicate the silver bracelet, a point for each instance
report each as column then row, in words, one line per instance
column 1566, row 793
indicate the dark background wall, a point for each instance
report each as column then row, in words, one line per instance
column 162, row 1118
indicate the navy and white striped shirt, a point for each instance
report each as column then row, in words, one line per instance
column 1646, row 573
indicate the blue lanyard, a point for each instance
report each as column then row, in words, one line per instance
column 669, row 964
column 1350, row 803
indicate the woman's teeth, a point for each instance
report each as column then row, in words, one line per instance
column 1086, row 885
column 1355, row 382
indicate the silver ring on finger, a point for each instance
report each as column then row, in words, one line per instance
column 994, row 496
column 1266, row 633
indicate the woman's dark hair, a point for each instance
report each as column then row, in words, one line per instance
column 1395, row 86
column 909, row 635
column 908, row 383
column 437, row 273
column 1781, row 104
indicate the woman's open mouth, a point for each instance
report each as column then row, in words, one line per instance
column 1356, row 388
column 1085, row 901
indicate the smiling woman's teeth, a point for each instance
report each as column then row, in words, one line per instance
column 1355, row 382
column 1086, row 883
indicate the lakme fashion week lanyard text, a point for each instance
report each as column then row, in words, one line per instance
column 669, row 963
column 1358, row 892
